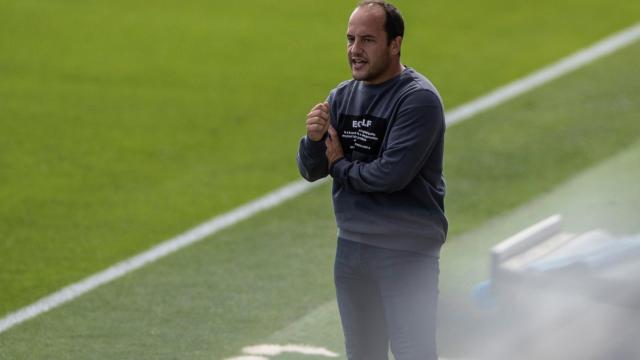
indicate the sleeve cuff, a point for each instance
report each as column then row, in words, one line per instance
column 335, row 168
column 315, row 147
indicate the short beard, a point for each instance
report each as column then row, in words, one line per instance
column 372, row 74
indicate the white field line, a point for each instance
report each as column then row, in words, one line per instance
column 570, row 63
column 163, row 249
column 292, row 190
column 274, row 350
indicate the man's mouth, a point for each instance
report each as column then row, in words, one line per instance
column 358, row 63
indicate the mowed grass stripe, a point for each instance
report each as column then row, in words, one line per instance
column 69, row 293
column 212, row 299
column 125, row 124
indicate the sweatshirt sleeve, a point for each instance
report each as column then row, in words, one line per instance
column 418, row 127
column 311, row 158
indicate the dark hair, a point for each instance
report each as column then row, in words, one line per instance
column 393, row 24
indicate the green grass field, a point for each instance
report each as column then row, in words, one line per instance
column 123, row 124
column 256, row 283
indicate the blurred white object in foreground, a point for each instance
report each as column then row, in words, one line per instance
column 560, row 295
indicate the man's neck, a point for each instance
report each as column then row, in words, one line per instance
column 394, row 70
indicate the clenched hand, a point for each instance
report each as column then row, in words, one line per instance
column 318, row 121
column 334, row 147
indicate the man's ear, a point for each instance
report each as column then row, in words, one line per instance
column 396, row 44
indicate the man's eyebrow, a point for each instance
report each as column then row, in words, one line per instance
column 362, row 36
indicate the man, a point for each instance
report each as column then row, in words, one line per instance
column 381, row 137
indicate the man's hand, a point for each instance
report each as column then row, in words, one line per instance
column 334, row 147
column 318, row 121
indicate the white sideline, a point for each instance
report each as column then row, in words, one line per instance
column 570, row 63
column 163, row 249
column 289, row 191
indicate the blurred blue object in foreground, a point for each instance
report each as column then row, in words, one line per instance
column 554, row 294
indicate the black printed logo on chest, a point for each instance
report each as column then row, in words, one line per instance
column 361, row 136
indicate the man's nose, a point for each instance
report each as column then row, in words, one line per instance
column 356, row 47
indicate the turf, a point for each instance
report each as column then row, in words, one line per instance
column 125, row 123
column 532, row 143
column 269, row 278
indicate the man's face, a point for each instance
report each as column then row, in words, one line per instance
column 369, row 53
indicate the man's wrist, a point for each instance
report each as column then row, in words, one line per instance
column 322, row 139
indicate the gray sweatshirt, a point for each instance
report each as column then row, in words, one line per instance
column 388, row 190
